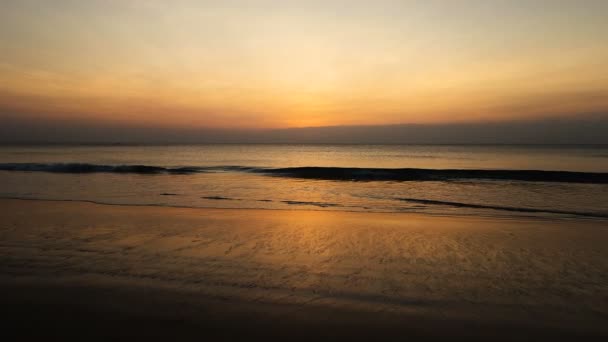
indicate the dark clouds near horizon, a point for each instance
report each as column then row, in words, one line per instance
column 587, row 130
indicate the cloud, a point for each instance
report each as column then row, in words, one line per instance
column 583, row 128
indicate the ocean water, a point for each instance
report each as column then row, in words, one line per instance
column 560, row 182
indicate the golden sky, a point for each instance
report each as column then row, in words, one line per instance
column 266, row 64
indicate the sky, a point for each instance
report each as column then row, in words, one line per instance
column 259, row 65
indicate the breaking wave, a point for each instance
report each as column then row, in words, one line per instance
column 329, row 173
column 94, row 168
column 371, row 174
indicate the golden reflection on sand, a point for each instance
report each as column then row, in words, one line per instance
column 369, row 261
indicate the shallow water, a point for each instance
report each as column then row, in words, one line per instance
column 495, row 182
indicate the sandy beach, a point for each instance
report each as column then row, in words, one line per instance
column 84, row 271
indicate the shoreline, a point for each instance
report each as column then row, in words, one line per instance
column 552, row 217
column 357, row 274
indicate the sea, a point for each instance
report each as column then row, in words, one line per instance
column 541, row 181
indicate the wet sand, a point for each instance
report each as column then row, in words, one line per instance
column 85, row 271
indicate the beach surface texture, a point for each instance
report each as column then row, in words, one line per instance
column 89, row 271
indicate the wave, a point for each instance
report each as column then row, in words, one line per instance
column 94, row 168
column 328, row 173
column 220, row 198
column 371, row 174
column 503, row 208
column 316, row 204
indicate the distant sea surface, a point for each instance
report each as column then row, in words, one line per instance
column 562, row 182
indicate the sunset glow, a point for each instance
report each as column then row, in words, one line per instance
column 271, row 64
